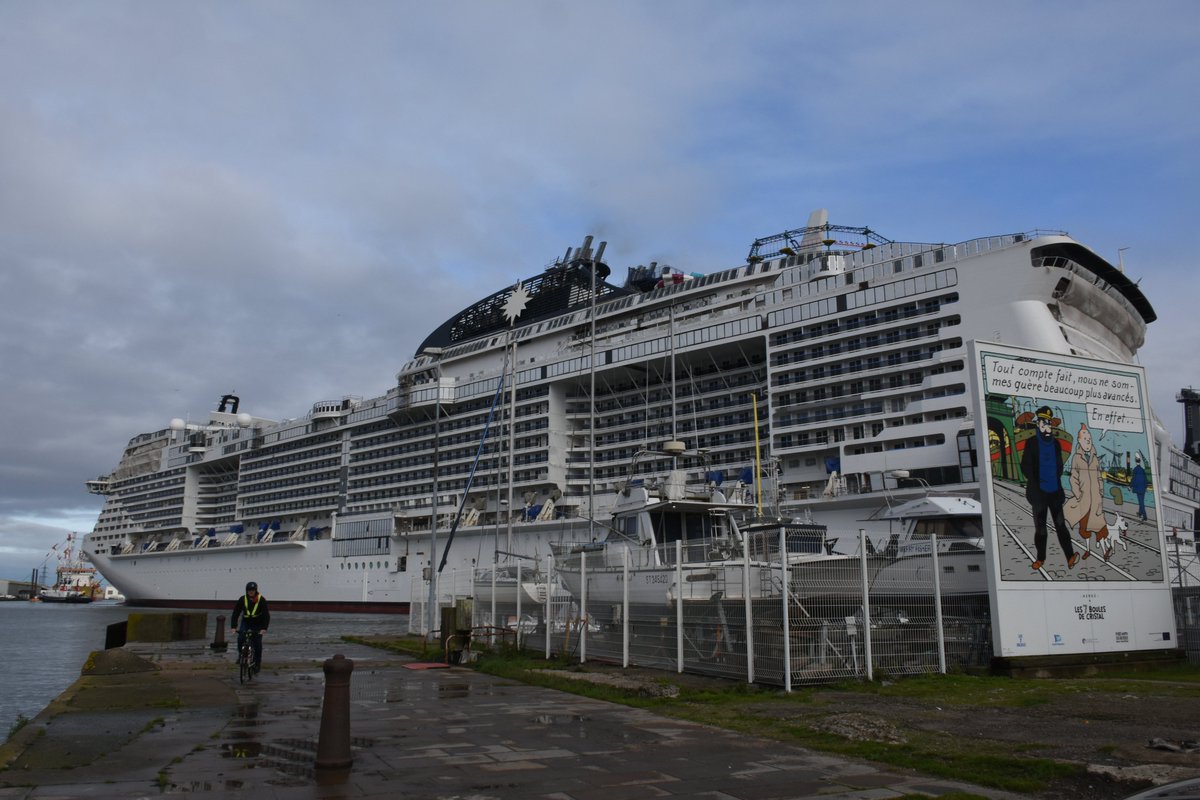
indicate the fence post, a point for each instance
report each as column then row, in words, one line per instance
column 495, row 622
column 937, row 606
column 333, row 744
column 749, row 605
column 866, row 606
column 520, row 591
column 1178, row 563
column 679, row 604
column 625, row 607
column 549, row 605
column 787, row 625
column 583, row 620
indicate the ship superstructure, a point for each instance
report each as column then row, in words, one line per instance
column 849, row 349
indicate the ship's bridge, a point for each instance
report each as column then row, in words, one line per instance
column 99, row 485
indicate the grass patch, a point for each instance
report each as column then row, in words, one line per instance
column 20, row 722
column 415, row 646
column 151, row 725
column 998, row 691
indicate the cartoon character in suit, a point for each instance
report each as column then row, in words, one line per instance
column 1042, row 465
column 1139, row 483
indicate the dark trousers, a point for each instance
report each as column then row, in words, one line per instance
column 1052, row 503
column 256, row 639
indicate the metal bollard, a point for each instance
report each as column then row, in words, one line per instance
column 218, row 642
column 333, row 746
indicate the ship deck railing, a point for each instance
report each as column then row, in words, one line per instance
column 708, row 550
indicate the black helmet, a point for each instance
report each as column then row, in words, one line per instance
column 251, row 585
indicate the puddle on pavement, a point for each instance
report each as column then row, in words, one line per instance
column 209, row 786
column 558, row 719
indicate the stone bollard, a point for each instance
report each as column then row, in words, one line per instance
column 218, row 642
column 333, row 746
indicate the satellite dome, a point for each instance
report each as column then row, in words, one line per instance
column 177, row 424
column 244, row 419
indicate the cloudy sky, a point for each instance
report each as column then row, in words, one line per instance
column 281, row 199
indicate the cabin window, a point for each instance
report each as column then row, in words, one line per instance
column 952, row 528
column 629, row 527
column 673, row 527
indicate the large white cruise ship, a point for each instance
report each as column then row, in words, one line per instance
column 835, row 355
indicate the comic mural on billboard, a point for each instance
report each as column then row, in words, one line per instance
column 1078, row 563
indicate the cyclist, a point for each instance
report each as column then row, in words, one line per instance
column 251, row 615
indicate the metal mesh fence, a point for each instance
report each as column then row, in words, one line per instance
column 771, row 614
column 702, row 610
column 1187, row 619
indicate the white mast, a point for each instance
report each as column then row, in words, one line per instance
column 512, row 309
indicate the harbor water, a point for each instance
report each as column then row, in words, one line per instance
column 46, row 644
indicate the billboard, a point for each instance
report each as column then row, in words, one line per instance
column 1069, row 504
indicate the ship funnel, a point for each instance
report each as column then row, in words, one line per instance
column 817, row 221
column 584, row 253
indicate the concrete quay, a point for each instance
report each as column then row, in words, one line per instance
column 171, row 718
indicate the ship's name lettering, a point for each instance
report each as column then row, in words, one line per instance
column 657, row 579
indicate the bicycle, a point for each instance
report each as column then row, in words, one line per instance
column 246, row 670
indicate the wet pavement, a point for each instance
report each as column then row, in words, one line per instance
column 189, row 727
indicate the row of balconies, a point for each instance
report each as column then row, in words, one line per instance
column 822, row 351
column 867, row 366
column 389, row 463
column 296, row 468
column 581, row 407
column 269, row 507
column 330, row 483
column 421, row 477
column 257, row 465
column 864, row 321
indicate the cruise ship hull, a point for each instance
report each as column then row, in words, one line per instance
column 302, row 575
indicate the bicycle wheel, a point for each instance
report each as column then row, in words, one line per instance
column 244, row 666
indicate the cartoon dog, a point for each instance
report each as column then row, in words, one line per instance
column 1116, row 536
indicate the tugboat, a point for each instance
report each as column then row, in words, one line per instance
column 74, row 581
